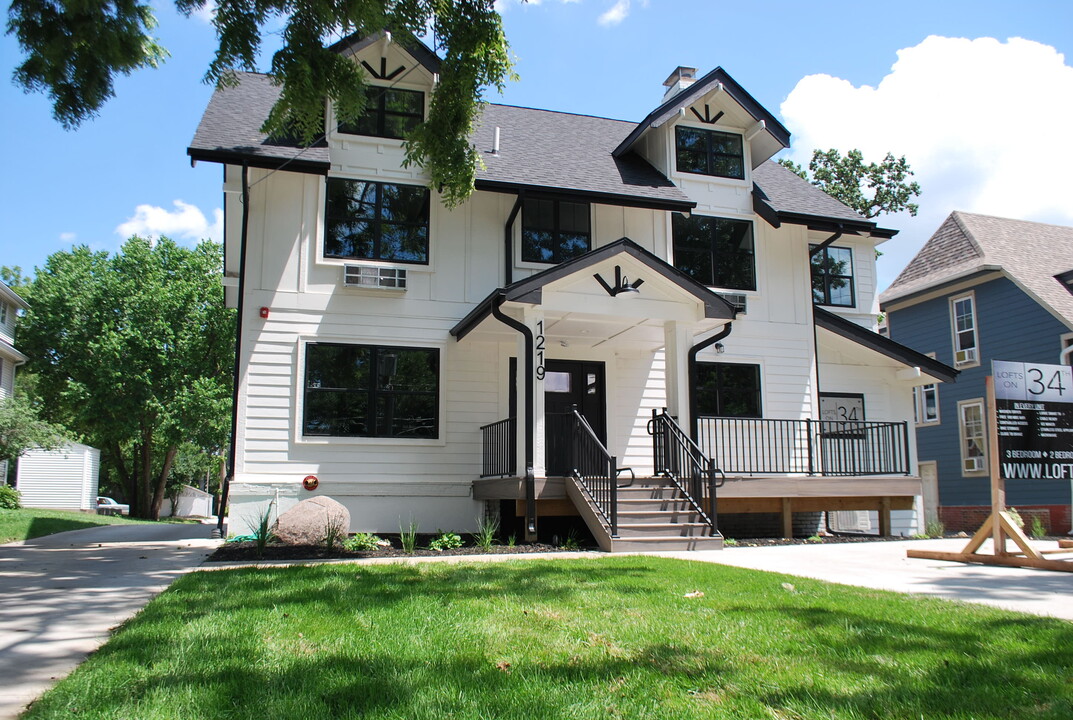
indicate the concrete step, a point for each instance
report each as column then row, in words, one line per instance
column 655, row 543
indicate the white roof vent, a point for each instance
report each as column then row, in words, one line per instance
column 374, row 276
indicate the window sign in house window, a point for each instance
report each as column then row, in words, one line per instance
column 554, row 230
column 709, row 152
column 973, row 447
column 389, row 113
column 376, row 221
column 832, row 277
column 966, row 342
column 714, row 251
column 727, row 390
column 371, row 391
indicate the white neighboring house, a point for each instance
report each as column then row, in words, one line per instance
column 62, row 479
column 191, row 502
column 10, row 358
column 424, row 364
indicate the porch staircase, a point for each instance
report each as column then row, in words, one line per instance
column 653, row 515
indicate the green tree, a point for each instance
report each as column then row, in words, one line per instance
column 13, row 277
column 869, row 188
column 133, row 352
column 76, row 48
column 21, row 429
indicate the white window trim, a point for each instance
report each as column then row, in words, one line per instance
column 975, row 362
column 919, row 405
column 672, row 156
column 1065, row 341
column 962, row 405
column 299, row 395
column 853, row 276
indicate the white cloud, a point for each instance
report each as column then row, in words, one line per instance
column 206, row 12
column 185, row 222
column 67, row 236
column 615, row 14
column 978, row 120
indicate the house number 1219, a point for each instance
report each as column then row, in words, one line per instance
column 538, row 346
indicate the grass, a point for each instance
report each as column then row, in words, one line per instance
column 558, row 639
column 27, row 523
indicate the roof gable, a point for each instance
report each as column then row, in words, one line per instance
column 1029, row 253
column 717, row 79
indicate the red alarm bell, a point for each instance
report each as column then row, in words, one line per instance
column 310, row 482
column 264, row 313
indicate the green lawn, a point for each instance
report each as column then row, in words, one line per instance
column 548, row 639
column 26, row 523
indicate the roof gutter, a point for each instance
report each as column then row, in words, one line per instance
column 530, row 396
column 231, row 451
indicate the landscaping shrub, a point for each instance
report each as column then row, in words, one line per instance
column 10, row 498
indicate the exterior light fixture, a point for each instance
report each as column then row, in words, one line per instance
column 622, row 283
column 719, row 349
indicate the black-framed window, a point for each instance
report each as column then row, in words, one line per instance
column 376, row 221
column 389, row 113
column 727, row 390
column 371, row 391
column 714, row 251
column 832, row 276
column 554, row 230
column 709, row 152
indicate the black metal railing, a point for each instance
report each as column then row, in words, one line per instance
column 759, row 446
column 594, row 467
column 499, row 449
column 676, row 457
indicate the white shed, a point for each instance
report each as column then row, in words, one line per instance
column 65, row 479
column 191, row 503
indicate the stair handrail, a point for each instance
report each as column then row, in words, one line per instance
column 670, row 440
column 588, row 453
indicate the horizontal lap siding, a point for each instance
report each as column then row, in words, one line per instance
column 1011, row 326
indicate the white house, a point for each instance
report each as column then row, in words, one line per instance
column 10, row 358
column 415, row 362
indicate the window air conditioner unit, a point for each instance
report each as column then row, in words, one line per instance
column 964, row 357
column 735, row 299
column 371, row 276
column 974, row 464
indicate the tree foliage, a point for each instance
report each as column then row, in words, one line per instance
column 871, row 189
column 133, row 352
column 22, row 429
column 75, row 48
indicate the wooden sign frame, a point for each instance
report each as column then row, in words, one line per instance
column 999, row 524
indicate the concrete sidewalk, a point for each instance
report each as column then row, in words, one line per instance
column 61, row 595
column 884, row 566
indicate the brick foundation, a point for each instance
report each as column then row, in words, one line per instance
column 969, row 518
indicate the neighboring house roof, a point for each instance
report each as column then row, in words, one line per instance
column 1033, row 255
column 700, row 88
column 782, row 195
column 8, row 350
column 12, row 297
column 882, row 344
column 529, row 290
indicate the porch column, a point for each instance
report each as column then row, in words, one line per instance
column 533, row 317
column 677, row 341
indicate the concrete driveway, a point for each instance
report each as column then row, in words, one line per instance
column 61, row 595
column 884, row 566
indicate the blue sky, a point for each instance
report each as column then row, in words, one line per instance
column 981, row 121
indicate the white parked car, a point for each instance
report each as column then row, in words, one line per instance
column 108, row 506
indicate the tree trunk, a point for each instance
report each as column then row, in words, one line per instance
column 145, row 475
column 125, row 478
column 162, row 483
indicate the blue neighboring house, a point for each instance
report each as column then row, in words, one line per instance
column 981, row 289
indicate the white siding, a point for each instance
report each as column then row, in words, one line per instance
column 65, row 479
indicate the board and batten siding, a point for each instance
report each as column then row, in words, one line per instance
column 64, row 479
column 1011, row 326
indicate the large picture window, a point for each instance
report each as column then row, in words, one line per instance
column 389, row 113
column 727, row 390
column 709, row 152
column 966, row 342
column 717, row 252
column 376, row 221
column 371, row 391
column 832, row 277
column 554, row 230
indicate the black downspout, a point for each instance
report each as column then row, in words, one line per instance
column 816, row 343
column 530, row 477
column 693, row 352
column 238, row 346
column 826, row 243
column 508, row 242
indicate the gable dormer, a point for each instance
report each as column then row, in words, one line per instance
column 706, row 127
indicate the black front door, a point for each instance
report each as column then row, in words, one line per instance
column 568, row 383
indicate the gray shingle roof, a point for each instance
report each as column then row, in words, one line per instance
column 1029, row 253
column 539, row 149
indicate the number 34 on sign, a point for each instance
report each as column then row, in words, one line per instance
column 1032, row 382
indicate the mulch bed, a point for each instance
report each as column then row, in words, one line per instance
column 247, row 551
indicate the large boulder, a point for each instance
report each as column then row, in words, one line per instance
column 308, row 522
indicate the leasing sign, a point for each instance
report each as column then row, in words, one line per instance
column 1034, row 415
